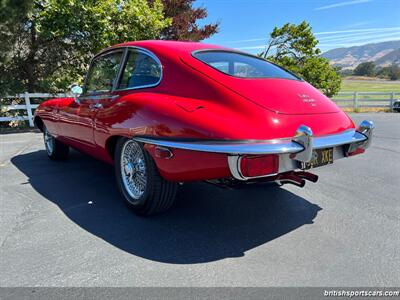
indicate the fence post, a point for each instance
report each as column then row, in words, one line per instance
column 391, row 101
column 355, row 100
column 29, row 109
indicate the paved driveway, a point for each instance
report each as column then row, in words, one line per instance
column 64, row 224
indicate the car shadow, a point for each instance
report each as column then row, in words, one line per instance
column 207, row 223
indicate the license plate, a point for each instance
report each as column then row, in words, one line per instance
column 321, row 157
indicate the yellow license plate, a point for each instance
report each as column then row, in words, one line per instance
column 321, row 157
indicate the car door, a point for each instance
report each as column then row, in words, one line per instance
column 76, row 121
column 140, row 70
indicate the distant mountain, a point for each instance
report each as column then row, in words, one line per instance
column 392, row 57
column 383, row 54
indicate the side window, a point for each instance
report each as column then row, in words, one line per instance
column 141, row 70
column 103, row 73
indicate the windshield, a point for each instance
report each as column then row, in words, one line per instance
column 242, row 65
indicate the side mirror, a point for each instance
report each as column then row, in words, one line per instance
column 76, row 90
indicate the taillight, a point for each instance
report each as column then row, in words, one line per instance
column 357, row 151
column 255, row 166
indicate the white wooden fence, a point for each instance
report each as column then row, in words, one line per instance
column 358, row 100
column 353, row 100
column 27, row 106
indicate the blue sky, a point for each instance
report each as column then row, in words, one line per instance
column 342, row 23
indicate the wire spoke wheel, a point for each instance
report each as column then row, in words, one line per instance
column 55, row 149
column 133, row 169
column 139, row 180
column 48, row 141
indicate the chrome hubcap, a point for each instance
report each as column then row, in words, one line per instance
column 133, row 169
column 48, row 141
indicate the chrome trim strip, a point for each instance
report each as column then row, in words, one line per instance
column 120, row 70
column 302, row 144
column 229, row 147
column 234, row 167
column 99, row 97
column 278, row 146
column 346, row 137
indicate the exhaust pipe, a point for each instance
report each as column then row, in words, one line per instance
column 308, row 176
column 290, row 178
column 296, row 178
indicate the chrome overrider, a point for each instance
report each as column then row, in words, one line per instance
column 292, row 151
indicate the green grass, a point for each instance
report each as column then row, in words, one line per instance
column 370, row 86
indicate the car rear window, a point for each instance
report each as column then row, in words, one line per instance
column 242, row 65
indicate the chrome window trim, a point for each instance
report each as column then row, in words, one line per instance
column 122, row 66
column 97, row 97
column 146, row 52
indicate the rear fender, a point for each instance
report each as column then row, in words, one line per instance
column 185, row 165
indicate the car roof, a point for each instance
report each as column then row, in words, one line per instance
column 167, row 47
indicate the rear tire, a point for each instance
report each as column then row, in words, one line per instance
column 139, row 181
column 55, row 149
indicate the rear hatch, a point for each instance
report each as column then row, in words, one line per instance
column 285, row 96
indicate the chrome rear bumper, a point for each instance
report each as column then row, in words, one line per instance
column 292, row 151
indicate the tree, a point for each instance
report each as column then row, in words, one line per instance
column 184, row 21
column 292, row 40
column 50, row 42
column 394, row 72
column 10, row 32
column 365, row 69
column 294, row 47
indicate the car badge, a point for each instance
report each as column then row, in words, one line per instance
column 306, row 99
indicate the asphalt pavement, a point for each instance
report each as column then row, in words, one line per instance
column 64, row 224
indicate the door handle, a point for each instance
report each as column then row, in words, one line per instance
column 97, row 106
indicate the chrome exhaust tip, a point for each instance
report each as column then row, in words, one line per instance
column 296, row 178
column 290, row 178
column 307, row 176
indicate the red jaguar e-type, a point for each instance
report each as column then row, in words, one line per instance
column 167, row 112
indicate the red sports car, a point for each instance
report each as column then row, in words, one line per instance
column 165, row 112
